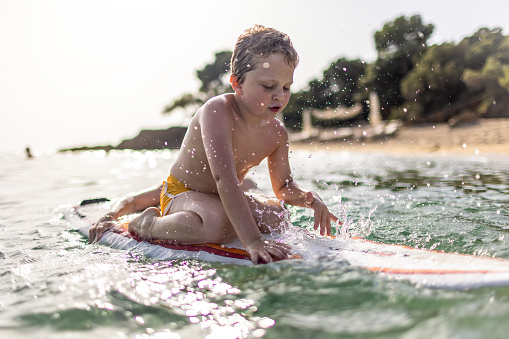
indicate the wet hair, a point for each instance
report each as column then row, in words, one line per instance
column 260, row 42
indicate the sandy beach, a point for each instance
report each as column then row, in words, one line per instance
column 480, row 137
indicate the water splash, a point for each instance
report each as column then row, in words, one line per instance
column 362, row 228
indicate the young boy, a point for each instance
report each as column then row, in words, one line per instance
column 202, row 200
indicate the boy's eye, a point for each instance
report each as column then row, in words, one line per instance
column 268, row 87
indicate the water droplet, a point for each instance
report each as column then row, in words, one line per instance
column 266, row 65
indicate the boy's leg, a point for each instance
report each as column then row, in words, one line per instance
column 194, row 218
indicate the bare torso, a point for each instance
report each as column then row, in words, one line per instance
column 249, row 146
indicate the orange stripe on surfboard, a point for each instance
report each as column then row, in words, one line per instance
column 221, row 250
column 428, row 271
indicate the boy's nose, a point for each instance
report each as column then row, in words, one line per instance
column 278, row 95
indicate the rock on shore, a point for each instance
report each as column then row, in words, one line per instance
column 170, row 138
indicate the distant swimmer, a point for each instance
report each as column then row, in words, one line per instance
column 29, row 154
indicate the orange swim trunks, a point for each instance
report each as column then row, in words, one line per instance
column 172, row 188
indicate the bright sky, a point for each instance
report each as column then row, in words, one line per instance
column 95, row 72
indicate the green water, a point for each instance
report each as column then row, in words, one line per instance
column 54, row 285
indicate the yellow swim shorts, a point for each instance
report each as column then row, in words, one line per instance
column 172, row 188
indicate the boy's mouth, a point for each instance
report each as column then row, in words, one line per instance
column 275, row 109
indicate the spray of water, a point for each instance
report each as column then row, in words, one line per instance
column 362, row 228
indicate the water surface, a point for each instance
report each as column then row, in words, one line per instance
column 54, row 285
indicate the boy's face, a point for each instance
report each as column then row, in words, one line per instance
column 266, row 89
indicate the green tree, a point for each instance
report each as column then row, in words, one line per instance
column 448, row 74
column 434, row 82
column 213, row 82
column 213, row 75
column 399, row 45
column 482, row 44
column 492, row 79
column 337, row 87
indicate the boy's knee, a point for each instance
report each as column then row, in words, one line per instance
column 152, row 212
column 144, row 220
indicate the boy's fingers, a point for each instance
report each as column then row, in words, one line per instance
column 255, row 259
column 317, row 220
column 335, row 219
column 281, row 250
column 278, row 254
column 96, row 237
column 285, row 250
column 91, row 236
column 277, row 243
column 285, row 246
column 324, row 224
column 266, row 257
column 328, row 225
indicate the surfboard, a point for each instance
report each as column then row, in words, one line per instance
column 425, row 268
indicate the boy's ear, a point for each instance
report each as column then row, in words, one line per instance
column 235, row 84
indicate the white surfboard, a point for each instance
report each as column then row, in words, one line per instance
column 422, row 267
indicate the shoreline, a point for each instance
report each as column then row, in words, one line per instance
column 480, row 137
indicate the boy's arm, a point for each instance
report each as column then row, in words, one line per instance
column 216, row 129
column 288, row 190
column 127, row 205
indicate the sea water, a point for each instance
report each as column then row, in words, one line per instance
column 55, row 285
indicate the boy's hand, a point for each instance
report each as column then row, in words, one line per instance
column 96, row 231
column 267, row 250
column 322, row 215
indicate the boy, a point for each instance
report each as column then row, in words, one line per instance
column 203, row 199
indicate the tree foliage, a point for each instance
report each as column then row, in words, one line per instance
column 452, row 73
column 402, row 37
column 435, row 81
column 399, row 45
column 212, row 76
column 213, row 82
column 337, row 87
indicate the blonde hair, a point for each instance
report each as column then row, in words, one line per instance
column 260, row 42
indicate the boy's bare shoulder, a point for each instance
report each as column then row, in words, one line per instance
column 279, row 127
column 217, row 110
column 220, row 103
